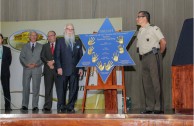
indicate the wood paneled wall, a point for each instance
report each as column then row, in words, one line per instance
column 169, row 15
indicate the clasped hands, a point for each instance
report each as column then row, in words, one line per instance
column 31, row 65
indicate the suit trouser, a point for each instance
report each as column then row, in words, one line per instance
column 6, row 91
column 36, row 78
column 49, row 80
column 62, row 90
column 152, row 81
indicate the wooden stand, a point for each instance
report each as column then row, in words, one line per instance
column 182, row 89
column 110, row 91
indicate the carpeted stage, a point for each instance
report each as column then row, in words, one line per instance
column 94, row 118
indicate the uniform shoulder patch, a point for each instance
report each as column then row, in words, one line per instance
column 156, row 28
column 152, row 25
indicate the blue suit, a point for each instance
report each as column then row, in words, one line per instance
column 67, row 59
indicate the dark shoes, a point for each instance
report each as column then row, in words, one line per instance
column 64, row 110
column 70, row 111
column 158, row 112
column 35, row 110
column 146, row 112
column 24, row 109
column 45, row 110
column 152, row 112
column 61, row 110
column 8, row 109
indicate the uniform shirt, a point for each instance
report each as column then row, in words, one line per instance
column 148, row 37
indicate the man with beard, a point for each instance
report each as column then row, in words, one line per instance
column 68, row 52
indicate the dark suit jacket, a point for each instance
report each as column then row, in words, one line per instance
column 46, row 55
column 67, row 59
column 6, row 62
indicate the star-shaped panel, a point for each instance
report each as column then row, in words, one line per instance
column 106, row 49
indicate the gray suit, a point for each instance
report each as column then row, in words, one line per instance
column 27, row 57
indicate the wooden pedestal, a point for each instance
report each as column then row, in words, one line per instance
column 182, row 88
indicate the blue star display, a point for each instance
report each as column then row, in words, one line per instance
column 106, row 49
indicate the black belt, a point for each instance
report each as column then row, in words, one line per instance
column 150, row 52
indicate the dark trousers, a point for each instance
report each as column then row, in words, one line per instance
column 63, row 82
column 49, row 80
column 6, row 91
column 152, row 81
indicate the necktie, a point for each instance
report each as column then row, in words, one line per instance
column 71, row 45
column 32, row 47
column 52, row 48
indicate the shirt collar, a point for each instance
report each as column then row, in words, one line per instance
column 52, row 42
column 33, row 43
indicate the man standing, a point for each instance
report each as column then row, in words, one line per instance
column 151, row 43
column 50, row 74
column 31, row 62
column 5, row 60
column 67, row 54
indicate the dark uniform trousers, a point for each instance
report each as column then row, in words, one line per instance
column 152, row 81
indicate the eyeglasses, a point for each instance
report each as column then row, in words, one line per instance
column 69, row 29
column 50, row 35
column 140, row 16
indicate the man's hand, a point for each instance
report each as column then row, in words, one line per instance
column 162, row 45
column 31, row 65
column 51, row 64
column 60, row 71
column 80, row 72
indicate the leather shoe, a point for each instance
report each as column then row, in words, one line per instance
column 158, row 112
column 146, row 112
column 70, row 111
column 24, row 108
column 61, row 111
column 8, row 109
column 46, row 110
column 35, row 109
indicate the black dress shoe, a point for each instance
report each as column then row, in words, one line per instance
column 158, row 112
column 61, row 110
column 70, row 111
column 46, row 110
column 8, row 109
column 35, row 109
column 24, row 108
column 146, row 112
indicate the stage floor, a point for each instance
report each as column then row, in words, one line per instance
column 94, row 118
column 99, row 111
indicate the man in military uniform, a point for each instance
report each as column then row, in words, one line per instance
column 150, row 44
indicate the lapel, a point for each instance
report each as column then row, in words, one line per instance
column 4, row 52
column 49, row 49
column 29, row 47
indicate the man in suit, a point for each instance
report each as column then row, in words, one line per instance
column 5, row 59
column 32, row 69
column 68, row 52
column 50, row 74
